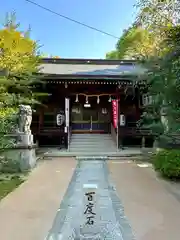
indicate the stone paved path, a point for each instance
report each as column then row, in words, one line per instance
column 34, row 212
column 28, row 212
column 112, row 223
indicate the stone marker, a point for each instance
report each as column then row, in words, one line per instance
column 89, row 228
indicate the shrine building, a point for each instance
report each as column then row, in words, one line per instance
column 88, row 96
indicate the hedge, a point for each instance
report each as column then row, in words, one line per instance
column 167, row 163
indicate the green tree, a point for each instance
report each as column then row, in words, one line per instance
column 158, row 14
column 154, row 38
column 135, row 43
column 112, row 55
column 20, row 58
column 19, row 66
column 157, row 17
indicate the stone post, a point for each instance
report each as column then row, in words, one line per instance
column 164, row 118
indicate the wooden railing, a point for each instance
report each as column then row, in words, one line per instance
column 134, row 131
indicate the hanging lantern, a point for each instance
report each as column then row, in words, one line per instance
column 77, row 100
column 66, row 85
column 109, row 99
column 87, row 105
column 60, row 118
column 98, row 100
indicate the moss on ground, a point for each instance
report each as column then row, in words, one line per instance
column 8, row 183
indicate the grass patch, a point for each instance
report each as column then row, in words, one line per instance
column 8, row 183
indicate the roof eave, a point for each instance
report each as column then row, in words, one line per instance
column 91, row 77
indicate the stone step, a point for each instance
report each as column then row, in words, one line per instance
column 91, row 139
column 81, row 137
column 91, row 135
column 93, row 147
column 90, row 143
column 93, row 143
column 120, row 153
column 93, row 150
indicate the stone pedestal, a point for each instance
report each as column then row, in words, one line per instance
column 26, row 139
column 23, row 152
column 26, row 157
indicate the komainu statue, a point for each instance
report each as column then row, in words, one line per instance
column 25, row 119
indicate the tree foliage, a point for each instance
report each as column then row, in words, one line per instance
column 19, row 57
column 19, row 53
column 156, row 15
column 19, row 66
column 154, row 39
column 136, row 43
column 145, row 37
column 112, row 55
column 161, row 18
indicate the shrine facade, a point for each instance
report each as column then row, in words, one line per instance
column 81, row 94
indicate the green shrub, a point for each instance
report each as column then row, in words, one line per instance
column 8, row 122
column 8, row 125
column 167, row 163
column 8, row 165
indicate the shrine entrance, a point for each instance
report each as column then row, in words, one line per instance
column 90, row 118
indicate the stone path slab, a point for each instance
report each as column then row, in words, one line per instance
column 112, row 223
column 28, row 212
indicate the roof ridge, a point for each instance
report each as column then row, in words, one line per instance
column 87, row 61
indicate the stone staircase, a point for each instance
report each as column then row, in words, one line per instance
column 90, row 146
column 92, row 143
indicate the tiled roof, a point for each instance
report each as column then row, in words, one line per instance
column 106, row 69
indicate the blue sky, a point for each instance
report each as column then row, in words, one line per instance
column 67, row 39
